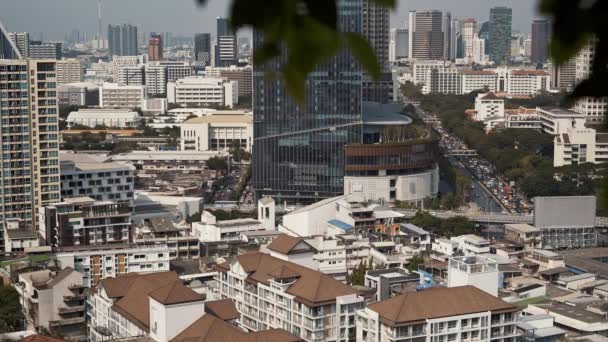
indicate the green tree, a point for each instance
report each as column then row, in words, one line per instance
column 217, row 164
column 11, row 311
column 415, row 263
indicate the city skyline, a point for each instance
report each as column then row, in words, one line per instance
column 185, row 17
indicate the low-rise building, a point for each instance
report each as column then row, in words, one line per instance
column 544, row 259
column 477, row 271
column 218, row 131
column 557, row 121
column 96, row 177
column 209, row 229
column 53, row 301
column 19, row 240
column 528, row 82
column 473, row 80
column 471, row 244
column 574, row 317
column 155, row 305
column 112, row 118
column 203, row 92
column 112, row 95
column 445, row 246
column 539, row 328
column 390, row 282
column 82, row 221
column 488, row 105
column 439, row 314
column 78, row 94
column 272, row 293
column 528, row 236
column 579, row 146
column 100, row 262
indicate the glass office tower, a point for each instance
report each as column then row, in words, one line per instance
column 299, row 150
column 500, row 34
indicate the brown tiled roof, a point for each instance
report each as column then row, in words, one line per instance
column 312, row 287
column 175, row 293
column 283, row 272
column 285, row 244
column 40, row 338
column 134, row 291
column 436, row 303
column 490, row 96
column 223, row 309
column 477, row 72
column 208, row 328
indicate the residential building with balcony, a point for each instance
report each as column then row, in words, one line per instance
column 579, row 146
column 274, row 293
column 86, row 175
column 209, row 229
column 100, row 262
column 557, row 121
column 439, row 314
column 390, row 282
column 544, row 259
column 156, row 306
column 54, row 301
column 488, row 105
column 82, row 221
column 112, row 95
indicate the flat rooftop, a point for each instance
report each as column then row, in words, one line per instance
column 523, row 228
column 574, row 312
column 557, row 111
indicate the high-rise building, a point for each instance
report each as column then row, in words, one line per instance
column 299, row 148
column 8, row 48
column 563, row 76
column 29, row 132
column 500, row 34
column 540, row 40
column 202, row 49
column 226, row 49
column 469, row 29
column 593, row 108
column 426, row 35
column 479, row 50
column 447, row 35
column 69, row 71
column 122, row 40
column 22, row 41
column 399, row 41
column 155, row 48
column 375, row 28
column 44, row 50
column 156, row 79
column 455, row 39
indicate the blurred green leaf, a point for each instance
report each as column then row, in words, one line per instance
column 386, row 3
column 362, row 50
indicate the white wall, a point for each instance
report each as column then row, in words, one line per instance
column 166, row 322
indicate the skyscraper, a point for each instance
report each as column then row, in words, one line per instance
column 426, row 35
column 469, row 29
column 399, row 40
column 155, row 47
column 8, row 48
column 500, row 34
column 447, row 35
column 540, row 40
column 22, row 41
column 299, row 149
column 29, row 132
column 375, row 28
column 226, row 49
column 122, row 40
column 202, row 48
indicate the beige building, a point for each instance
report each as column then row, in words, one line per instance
column 241, row 75
column 30, row 142
column 218, row 131
column 112, row 95
column 69, row 71
column 54, row 301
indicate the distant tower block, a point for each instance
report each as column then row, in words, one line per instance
column 478, row 271
column 266, row 213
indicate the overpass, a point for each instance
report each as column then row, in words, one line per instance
column 493, row 218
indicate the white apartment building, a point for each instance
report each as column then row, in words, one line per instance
column 527, row 82
column 53, row 301
column 130, row 75
column 241, row 75
column 156, row 79
column 177, row 69
column 477, row 271
column 273, row 293
column 96, row 263
column 477, row 80
column 443, row 81
column 70, row 70
column 107, row 117
column 445, row 246
column 471, row 244
column 488, row 105
column 557, row 121
column 578, row 146
column 85, row 175
column 203, row 91
column 112, row 95
column 594, row 109
column 121, row 61
column 439, row 314
column 421, row 68
column 478, row 55
column 211, row 230
column 156, row 305
column 218, row 131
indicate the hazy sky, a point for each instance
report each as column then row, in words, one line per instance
column 56, row 17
